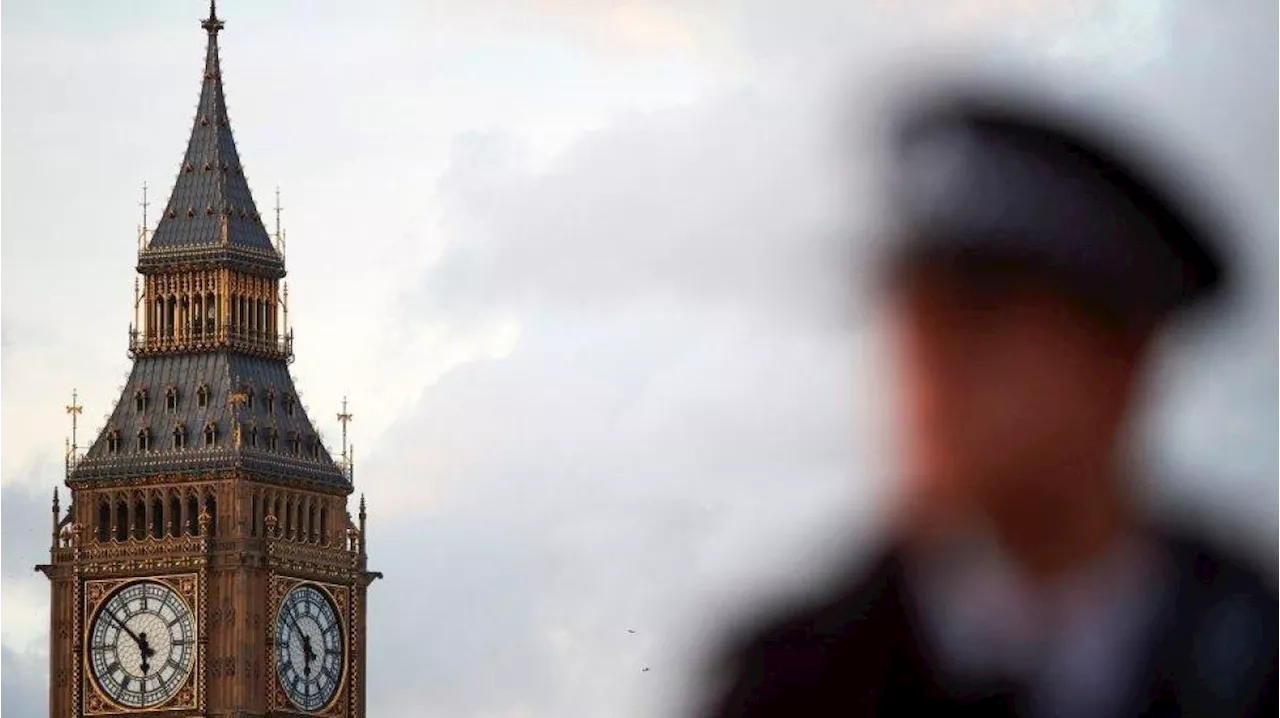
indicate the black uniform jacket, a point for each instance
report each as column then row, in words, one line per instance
column 859, row 653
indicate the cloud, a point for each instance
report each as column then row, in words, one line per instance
column 25, row 515
column 674, row 411
column 25, row 679
column 592, row 481
column 619, row 31
column 730, row 201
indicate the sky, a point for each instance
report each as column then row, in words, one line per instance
column 584, row 270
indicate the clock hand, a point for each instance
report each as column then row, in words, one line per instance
column 125, row 628
column 147, row 652
column 308, row 655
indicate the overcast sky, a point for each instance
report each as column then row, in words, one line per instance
column 583, row 269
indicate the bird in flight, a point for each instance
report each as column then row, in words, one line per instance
column 644, row 670
column 631, row 630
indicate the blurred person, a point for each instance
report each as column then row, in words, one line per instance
column 1031, row 267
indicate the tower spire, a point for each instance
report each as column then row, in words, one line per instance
column 211, row 215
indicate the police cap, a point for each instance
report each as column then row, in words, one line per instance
column 990, row 180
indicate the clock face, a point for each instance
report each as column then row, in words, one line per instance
column 309, row 647
column 142, row 644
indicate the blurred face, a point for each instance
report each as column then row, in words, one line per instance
column 1009, row 396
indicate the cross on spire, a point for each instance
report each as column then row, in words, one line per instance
column 213, row 24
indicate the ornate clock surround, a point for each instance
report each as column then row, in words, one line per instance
column 95, row 594
column 341, row 704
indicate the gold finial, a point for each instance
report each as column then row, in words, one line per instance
column 143, row 231
column 75, row 410
column 364, row 541
column 279, row 232
column 54, row 536
column 137, row 300
column 236, row 398
column 345, row 417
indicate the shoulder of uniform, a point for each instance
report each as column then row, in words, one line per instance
column 779, row 665
column 1229, row 608
column 802, row 634
column 1213, row 567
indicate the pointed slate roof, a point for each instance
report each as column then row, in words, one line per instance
column 211, row 215
column 297, row 454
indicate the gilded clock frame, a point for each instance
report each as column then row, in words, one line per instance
column 340, row 595
column 96, row 592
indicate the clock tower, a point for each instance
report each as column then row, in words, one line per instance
column 207, row 563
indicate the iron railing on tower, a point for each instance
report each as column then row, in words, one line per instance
column 211, row 337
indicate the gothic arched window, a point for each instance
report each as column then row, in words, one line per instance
column 197, row 313
column 144, row 439
column 180, row 436
column 210, row 434
column 140, row 399
column 122, row 521
column 157, row 518
column 255, row 518
column 270, row 397
column 113, row 442
column 252, row 437
column 175, row 515
column 139, row 519
column 202, row 396
column 171, row 399
column 211, row 507
column 289, row 403
column 273, row 439
column 104, row 521
column 295, row 444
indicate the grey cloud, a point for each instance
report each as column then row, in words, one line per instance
column 25, row 681
column 586, row 485
column 672, row 429
column 731, row 200
column 26, row 518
